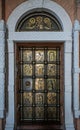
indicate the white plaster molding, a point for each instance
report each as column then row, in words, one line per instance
column 68, row 86
column 10, row 115
column 43, row 4
column 68, row 112
column 60, row 13
column 2, row 55
column 68, row 69
column 77, row 113
column 68, row 46
column 10, row 46
column 2, row 66
column 76, row 70
column 2, row 78
column 68, row 117
column 1, row 113
column 2, row 36
column 40, row 36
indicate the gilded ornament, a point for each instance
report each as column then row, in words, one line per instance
column 39, row 23
column 32, row 20
column 39, row 19
column 47, row 21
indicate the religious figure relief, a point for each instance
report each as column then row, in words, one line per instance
column 39, row 23
column 39, row 56
column 51, row 112
column 27, row 112
column 51, row 55
column 30, row 25
column 51, row 84
column 27, row 69
column 51, row 69
column 39, row 69
column 27, row 98
column 51, row 98
column 39, row 112
column 27, row 55
column 47, row 23
column 39, row 98
column 39, row 84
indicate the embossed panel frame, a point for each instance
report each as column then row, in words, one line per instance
column 48, row 103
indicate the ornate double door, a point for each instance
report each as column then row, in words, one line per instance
column 38, row 88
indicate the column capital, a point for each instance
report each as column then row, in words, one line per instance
column 76, row 25
column 2, row 25
column 2, row 31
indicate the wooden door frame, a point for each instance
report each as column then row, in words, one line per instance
column 42, row 44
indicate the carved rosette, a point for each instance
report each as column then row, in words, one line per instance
column 2, row 67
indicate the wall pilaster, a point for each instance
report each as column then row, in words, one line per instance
column 76, row 69
column 69, row 125
column 2, row 68
column 10, row 114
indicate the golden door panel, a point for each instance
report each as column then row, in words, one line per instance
column 39, row 84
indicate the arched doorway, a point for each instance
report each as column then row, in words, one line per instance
column 63, row 37
column 39, row 88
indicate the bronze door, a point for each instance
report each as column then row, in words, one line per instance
column 38, row 84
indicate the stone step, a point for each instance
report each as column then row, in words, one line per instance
column 40, row 127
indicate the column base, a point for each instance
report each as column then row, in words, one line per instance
column 9, row 127
column 69, row 127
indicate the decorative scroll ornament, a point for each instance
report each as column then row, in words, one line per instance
column 39, row 22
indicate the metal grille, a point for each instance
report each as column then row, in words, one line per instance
column 39, row 84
